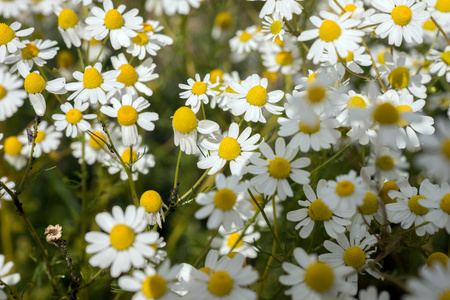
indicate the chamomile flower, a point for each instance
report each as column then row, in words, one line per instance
column 333, row 34
column 151, row 284
column 354, row 60
column 285, row 60
column 160, row 254
column 120, row 26
column 438, row 201
column 356, row 7
column 12, row 9
column 225, row 205
column 400, row 19
column 251, row 97
column 10, row 279
column 350, row 101
column 35, row 52
column 13, row 152
column 181, row 7
column 47, row 139
column 197, row 91
column 245, row 41
column 3, row 194
column 433, row 283
column 153, row 204
column 69, row 26
column 153, row 27
column 11, row 93
column 73, row 120
column 285, row 8
column 440, row 62
column 92, row 84
column 185, row 127
column 232, row 147
column 141, row 44
column 123, row 244
column 9, row 38
column 273, row 172
column 389, row 163
column 310, row 279
column 440, row 12
column 371, row 209
column 273, row 27
column 222, row 22
column 315, row 211
column 95, row 149
column 237, row 241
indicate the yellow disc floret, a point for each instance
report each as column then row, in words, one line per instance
column 442, row 5
column 445, row 295
column 6, row 34
column 329, row 31
column 388, row 186
column 319, row 276
column 141, row 39
column 30, row 51
column 279, row 168
column 65, row 59
column 316, row 94
column 97, row 140
column 385, row 162
column 34, row 83
column 92, row 78
column 73, row 116
column 276, row 27
column 3, row 92
column 129, row 156
column 354, row 257
column 318, row 211
column 349, row 57
column 223, row 20
column 233, row 240
column 308, row 127
column 220, row 284
column 184, row 120
column 199, row 88
column 386, row 114
column 284, row 58
column 67, row 18
column 401, row 15
column 12, row 146
column 399, row 78
column 445, row 56
column 415, row 207
column 370, row 205
column 113, row 19
column 345, row 188
column 154, row 286
column 429, row 25
column 245, row 36
column 148, row 27
column 356, row 102
column 257, row 95
column 40, row 136
column 121, row 237
column 216, row 75
column 437, row 257
column 128, row 76
column 151, row 201
column 127, row 115
column 229, row 148
column 445, row 202
column 402, row 109
column 445, row 148
column 225, row 199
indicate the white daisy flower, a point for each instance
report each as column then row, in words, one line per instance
column 350, row 101
column 354, row 60
column 73, row 120
column 334, row 35
column 47, row 139
column 197, row 91
column 438, row 201
column 12, row 9
column 92, row 84
column 95, row 150
column 225, row 205
column 237, row 241
column 153, row 204
column 13, row 152
column 386, row 162
column 400, row 19
column 154, row 27
column 267, row 206
column 440, row 12
column 69, row 26
column 129, row 112
column 152, row 284
column 222, row 22
column 10, row 279
column 433, row 283
column 356, row 7
column 224, row 87
column 181, row 7
column 440, row 62
column 11, row 93
column 285, row 59
column 3, row 194
column 273, row 172
column 185, row 127
column 371, row 293
column 141, row 44
column 35, row 52
column 285, row 8
column 371, row 209
column 311, row 279
column 251, row 97
column 44, row 7
column 10, row 38
column 120, row 27
column 273, row 27
column 160, row 254
column 123, row 244
column 315, row 211
column 245, row 41
column 232, row 147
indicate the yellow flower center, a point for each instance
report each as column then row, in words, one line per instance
column 147, row 27
column 220, row 284
column 225, row 199
column 206, row 270
column 311, row 77
column 258, row 199
column 233, row 239
column 284, row 58
column 415, row 207
column 445, row 295
column 329, row 31
column 30, row 51
column 401, row 109
column 401, row 15
column 34, row 83
column 228, row 89
column 129, row 156
column 257, row 95
column 308, row 128
column 318, row 211
column 184, row 120
column 445, row 202
column 67, row 18
column 128, row 76
column 356, row 102
column 354, row 257
column 6, row 34
column 345, row 188
column 381, row 56
column 437, row 257
column 151, row 201
column 443, row 5
column 154, row 286
column 97, row 142
column 245, row 36
column 319, row 276
column 370, row 205
column 385, row 162
column 279, row 42
column 127, row 115
column 40, row 136
column 92, row 78
column 113, row 19
column 65, row 59
column 141, row 39
column 349, row 57
column 316, row 94
column 74, row 116
column 388, row 186
column 445, row 56
column 279, row 168
column 271, row 76
column 429, row 25
column 276, row 27
column 223, row 20
column 216, row 76
column 399, row 77
column 3, row 92
column 446, row 148
column 229, row 148
column 121, row 237
column 199, row 88
column 386, row 114
column 350, row 7
column 12, row 146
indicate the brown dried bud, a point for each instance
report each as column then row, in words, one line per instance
column 53, row 233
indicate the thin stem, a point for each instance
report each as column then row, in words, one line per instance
column 330, row 159
column 101, row 50
column 92, row 279
column 175, row 181
column 206, row 248
column 440, row 29
column 374, row 66
column 84, row 175
column 11, row 291
column 80, row 55
column 30, row 159
column 195, row 185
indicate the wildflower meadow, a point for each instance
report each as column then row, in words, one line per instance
column 225, row 149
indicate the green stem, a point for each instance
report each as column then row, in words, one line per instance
column 330, row 159
column 175, row 181
column 11, row 291
column 80, row 55
column 440, row 29
column 30, row 159
column 101, row 50
column 84, row 175
column 206, row 248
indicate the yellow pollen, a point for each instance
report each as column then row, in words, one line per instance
column 370, row 205
column 386, row 114
column 128, row 156
column 415, row 207
column 349, row 57
column 429, row 25
column 67, row 18
column 350, row 7
column 97, row 142
column 385, row 162
column 30, row 51
column 40, row 136
column 127, row 115
column 279, row 168
column 276, row 27
column 3, row 92
column 233, row 239
column 381, row 56
column 12, row 146
column 220, row 284
column 128, row 76
column 154, row 286
column 319, row 276
column 113, row 19
column 34, row 83
column 229, row 148
column 438, row 257
column 445, row 295
column 184, row 120
column 329, row 31
column 65, row 59
column 199, row 88
column 279, row 42
column 354, row 257
column 284, row 58
column 141, row 39
column 445, row 202
column 399, row 78
column 151, row 201
column 257, row 95
column 223, row 20
column 225, row 199
column 308, row 128
column 388, row 186
column 316, row 94
column 318, row 211
column 245, row 36
column 148, row 27
column 73, row 116
column 216, row 75
column 92, row 78
column 445, row 56
column 356, row 102
column 206, row 270
column 401, row 109
column 6, row 34
column 401, row 15
column 443, row 6
column 121, row 237
column 345, row 188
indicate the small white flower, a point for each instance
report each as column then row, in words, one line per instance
column 10, row 279
column 153, row 204
column 47, row 139
column 197, row 91
column 11, row 93
column 73, row 120
column 69, row 26
column 10, row 38
column 35, row 52
column 346, row 192
column 285, row 8
column 440, row 62
column 237, row 241
column 273, row 27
